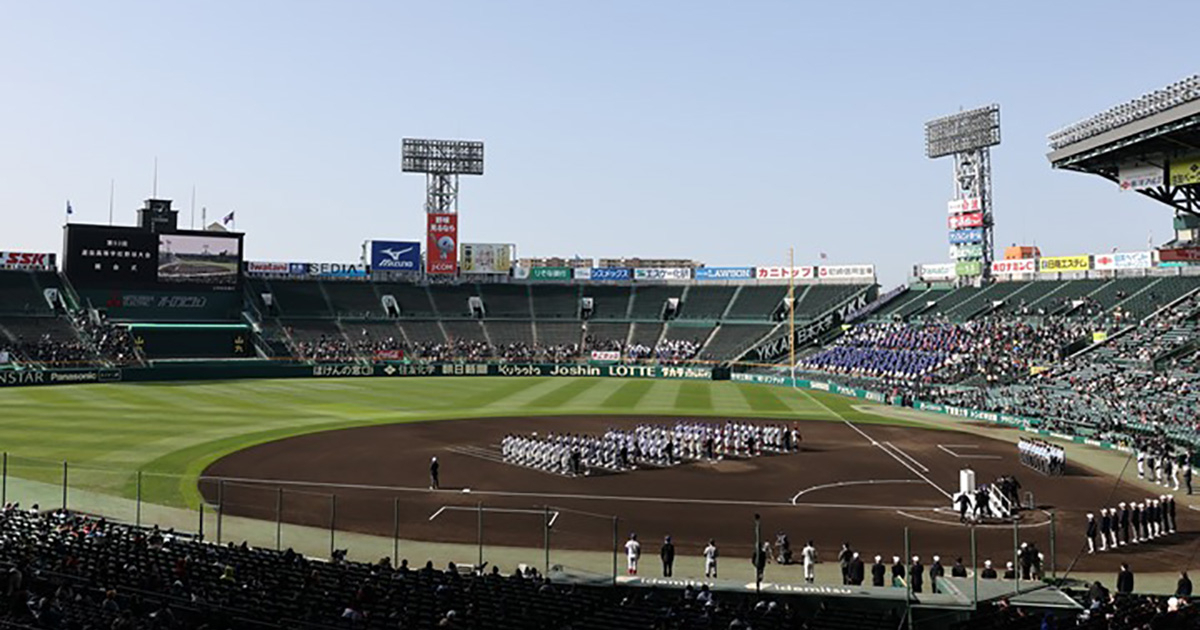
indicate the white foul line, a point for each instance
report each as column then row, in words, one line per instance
column 840, row 484
column 947, row 448
column 907, row 456
column 461, row 508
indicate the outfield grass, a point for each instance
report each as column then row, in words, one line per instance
column 172, row 431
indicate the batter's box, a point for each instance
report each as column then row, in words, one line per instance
column 965, row 451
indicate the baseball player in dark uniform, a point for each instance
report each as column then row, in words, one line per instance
column 667, row 553
column 1092, row 530
column 433, row 474
column 878, row 571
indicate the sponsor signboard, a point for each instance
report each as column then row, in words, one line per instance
column 799, row 274
column 335, row 270
column 809, row 333
column 27, row 260
column 395, row 256
column 486, row 258
column 662, row 273
column 966, row 268
column 1060, row 264
column 724, row 273
column 1185, row 172
column 959, row 252
column 969, row 204
column 611, row 274
column 846, row 272
column 936, row 272
column 1122, row 260
column 972, row 235
column 582, row 273
column 441, row 243
column 968, row 220
column 1179, row 254
column 1140, row 177
column 1011, row 267
column 606, row 356
column 57, row 377
column 389, row 355
column 551, row 273
column 260, row 267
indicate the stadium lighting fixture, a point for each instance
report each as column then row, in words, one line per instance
column 1144, row 106
column 442, row 161
column 963, row 132
column 968, row 137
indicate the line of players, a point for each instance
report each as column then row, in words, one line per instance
column 1163, row 467
column 1044, row 457
column 1131, row 523
column 647, row 444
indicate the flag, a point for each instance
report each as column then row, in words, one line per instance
column 70, row 211
column 824, row 256
column 228, row 218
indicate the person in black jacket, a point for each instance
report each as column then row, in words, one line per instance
column 988, row 572
column 1091, row 533
column 897, row 570
column 856, row 570
column 1105, row 528
column 1124, row 524
column 1125, row 580
column 917, row 574
column 1183, row 588
column 959, row 570
column 878, row 571
column 1171, row 511
column 1135, row 519
column 667, row 553
column 433, row 474
column 936, row 570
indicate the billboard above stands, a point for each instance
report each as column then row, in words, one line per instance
column 1122, row 260
column 265, row 268
column 495, row 258
column 199, row 258
column 959, row 206
column 441, row 243
column 335, row 270
column 968, row 220
column 846, row 272
column 725, row 273
column 27, row 260
column 582, row 273
column 662, row 273
column 611, row 274
column 799, row 274
column 936, row 272
column 1180, row 254
column 1064, row 264
column 973, row 235
column 968, row 268
column 1140, row 177
column 561, row 274
column 1185, row 172
column 959, row 252
column 395, row 255
column 1012, row 267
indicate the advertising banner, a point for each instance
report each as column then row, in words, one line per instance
column 959, row 252
column 561, row 274
column 26, row 260
column 441, row 242
column 1185, row 172
column 1140, row 177
column 1060, row 264
column 1011, row 267
column 265, row 268
column 606, row 356
column 936, row 272
column 968, row 268
column 846, row 272
column 582, row 273
column 395, row 256
column 611, row 274
column 973, row 235
column 800, row 274
column 959, row 206
column 805, row 335
column 968, row 220
column 1122, row 260
column 662, row 273
column 486, row 258
column 725, row 273
column 1180, row 254
column 389, row 355
column 336, row 270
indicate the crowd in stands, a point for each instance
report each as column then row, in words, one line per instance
column 93, row 340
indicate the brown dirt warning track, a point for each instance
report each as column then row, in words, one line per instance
column 861, row 484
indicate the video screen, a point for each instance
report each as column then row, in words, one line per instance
column 110, row 256
column 198, row 259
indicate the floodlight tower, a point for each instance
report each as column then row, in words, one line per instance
column 967, row 136
column 442, row 161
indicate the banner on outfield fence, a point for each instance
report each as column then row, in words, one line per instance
column 662, row 273
column 959, row 206
column 336, row 270
column 605, row 274
column 960, row 237
column 551, row 273
column 968, row 268
column 783, row 273
column 1061, row 264
column 846, row 272
column 395, row 256
column 441, row 236
column 1122, row 260
column 936, row 272
column 27, row 260
column 1140, row 177
column 1013, row 267
column 606, row 356
column 496, row 258
column 1179, row 254
column 389, row 355
column 968, row 220
column 959, row 252
column 1185, row 172
column 725, row 273
column 267, row 268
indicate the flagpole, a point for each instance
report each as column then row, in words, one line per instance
column 112, row 187
column 154, row 187
column 193, row 206
column 792, row 312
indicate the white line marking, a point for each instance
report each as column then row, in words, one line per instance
column 907, row 456
column 955, row 523
column 877, row 444
column 840, row 484
column 947, row 448
column 438, row 513
column 463, row 508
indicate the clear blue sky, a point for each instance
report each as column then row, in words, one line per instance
column 725, row 132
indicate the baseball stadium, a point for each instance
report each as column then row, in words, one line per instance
column 431, row 433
